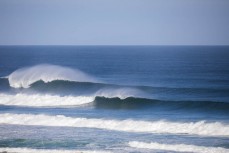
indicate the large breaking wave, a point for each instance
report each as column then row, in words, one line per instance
column 194, row 128
column 24, row 77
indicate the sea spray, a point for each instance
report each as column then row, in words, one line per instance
column 24, row 77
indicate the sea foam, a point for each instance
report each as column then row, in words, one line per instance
column 44, row 100
column 177, row 147
column 38, row 100
column 24, row 77
column 193, row 128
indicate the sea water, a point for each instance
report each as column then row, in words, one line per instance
column 114, row 99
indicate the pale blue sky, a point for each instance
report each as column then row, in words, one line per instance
column 114, row 22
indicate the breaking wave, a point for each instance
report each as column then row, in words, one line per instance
column 24, row 77
column 193, row 128
column 46, row 100
column 37, row 100
column 177, row 147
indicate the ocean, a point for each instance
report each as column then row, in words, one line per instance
column 114, row 99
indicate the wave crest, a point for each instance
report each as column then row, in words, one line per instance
column 24, row 77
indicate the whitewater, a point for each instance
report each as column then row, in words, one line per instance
column 36, row 100
column 193, row 128
column 177, row 147
column 29, row 150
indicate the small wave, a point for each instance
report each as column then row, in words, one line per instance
column 193, row 128
column 37, row 100
column 177, row 147
column 29, row 150
column 24, row 77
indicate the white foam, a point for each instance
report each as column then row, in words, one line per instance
column 26, row 76
column 44, row 100
column 37, row 100
column 28, row 150
column 193, row 128
column 177, row 147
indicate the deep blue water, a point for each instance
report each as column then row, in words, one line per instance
column 171, row 84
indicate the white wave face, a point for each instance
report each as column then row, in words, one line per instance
column 194, row 128
column 28, row 150
column 37, row 100
column 26, row 76
column 177, row 147
column 121, row 93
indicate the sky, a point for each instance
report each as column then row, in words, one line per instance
column 114, row 22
